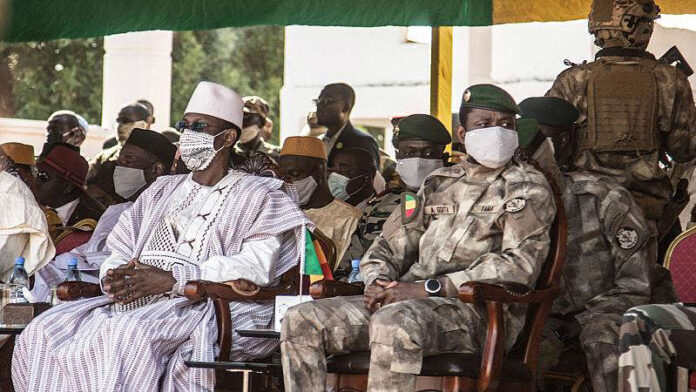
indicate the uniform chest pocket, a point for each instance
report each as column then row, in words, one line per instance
column 452, row 242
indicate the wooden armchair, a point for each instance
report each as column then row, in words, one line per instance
column 492, row 370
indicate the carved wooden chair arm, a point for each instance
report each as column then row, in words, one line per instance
column 472, row 292
column 333, row 288
column 199, row 289
column 71, row 291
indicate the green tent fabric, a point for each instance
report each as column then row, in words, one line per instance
column 40, row 20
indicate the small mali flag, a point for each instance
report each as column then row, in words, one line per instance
column 316, row 265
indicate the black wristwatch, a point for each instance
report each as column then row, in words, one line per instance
column 433, row 287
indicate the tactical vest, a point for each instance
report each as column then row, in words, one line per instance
column 621, row 107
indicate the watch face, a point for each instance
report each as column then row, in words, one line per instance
column 432, row 286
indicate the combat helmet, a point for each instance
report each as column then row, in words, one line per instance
column 624, row 23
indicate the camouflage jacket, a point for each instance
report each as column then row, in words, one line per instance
column 470, row 223
column 264, row 147
column 609, row 257
column 371, row 223
column 676, row 122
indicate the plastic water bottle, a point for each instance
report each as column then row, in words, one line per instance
column 73, row 274
column 355, row 272
column 19, row 281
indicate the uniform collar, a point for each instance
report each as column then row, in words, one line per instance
column 624, row 52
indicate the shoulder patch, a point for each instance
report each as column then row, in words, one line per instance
column 410, row 204
column 627, row 238
column 515, row 205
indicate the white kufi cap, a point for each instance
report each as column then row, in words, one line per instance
column 218, row 101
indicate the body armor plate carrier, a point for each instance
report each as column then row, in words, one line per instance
column 621, row 105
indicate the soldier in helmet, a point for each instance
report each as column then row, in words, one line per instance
column 256, row 119
column 633, row 108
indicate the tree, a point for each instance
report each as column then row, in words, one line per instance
column 249, row 60
column 38, row 78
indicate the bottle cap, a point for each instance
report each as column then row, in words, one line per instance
column 19, row 261
column 355, row 263
column 72, row 262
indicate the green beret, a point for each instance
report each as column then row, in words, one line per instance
column 551, row 111
column 489, row 97
column 422, row 127
column 527, row 129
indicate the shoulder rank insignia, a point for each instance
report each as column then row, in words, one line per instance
column 410, row 204
column 627, row 238
column 515, row 205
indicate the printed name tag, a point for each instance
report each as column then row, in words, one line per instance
column 484, row 209
column 439, row 210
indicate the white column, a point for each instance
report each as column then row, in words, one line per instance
column 137, row 65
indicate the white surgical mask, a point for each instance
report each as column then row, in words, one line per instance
column 198, row 149
column 492, row 147
column 249, row 133
column 305, row 189
column 414, row 170
column 128, row 181
column 337, row 186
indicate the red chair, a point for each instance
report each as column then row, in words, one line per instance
column 73, row 236
column 680, row 260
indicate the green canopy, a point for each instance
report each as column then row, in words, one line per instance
column 40, row 20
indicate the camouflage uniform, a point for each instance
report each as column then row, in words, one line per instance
column 675, row 122
column 370, row 226
column 264, row 147
column 653, row 338
column 497, row 232
column 607, row 270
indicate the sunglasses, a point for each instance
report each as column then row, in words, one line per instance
column 324, row 101
column 197, row 126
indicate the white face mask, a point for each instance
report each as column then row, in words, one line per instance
column 337, row 186
column 249, row 133
column 128, row 181
column 198, row 149
column 305, row 189
column 492, row 147
column 414, row 170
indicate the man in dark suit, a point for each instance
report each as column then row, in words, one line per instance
column 61, row 181
column 334, row 105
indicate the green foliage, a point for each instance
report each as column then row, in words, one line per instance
column 54, row 75
column 249, row 60
column 67, row 74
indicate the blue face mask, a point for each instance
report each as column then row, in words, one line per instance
column 338, row 185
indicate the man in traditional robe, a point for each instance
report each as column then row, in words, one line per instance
column 303, row 162
column 213, row 224
column 23, row 228
column 61, row 181
column 145, row 156
column 131, row 116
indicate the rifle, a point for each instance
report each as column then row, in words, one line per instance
column 674, row 57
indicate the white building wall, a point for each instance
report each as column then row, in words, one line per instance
column 391, row 76
column 137, row 65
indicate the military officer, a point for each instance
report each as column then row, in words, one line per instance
column 484, row 219
column 633, row 109
column 610, row 252
column 420, row 142
column 255, row 120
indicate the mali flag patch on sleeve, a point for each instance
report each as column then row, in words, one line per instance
column 410, row 204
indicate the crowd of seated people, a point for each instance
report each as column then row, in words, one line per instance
column 165, row 208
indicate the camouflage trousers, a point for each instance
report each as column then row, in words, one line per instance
column 598, row 338
column 398, row 335
column 658, row 346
